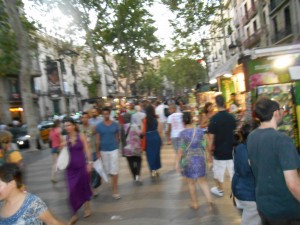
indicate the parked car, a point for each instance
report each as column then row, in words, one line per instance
column 44, row 128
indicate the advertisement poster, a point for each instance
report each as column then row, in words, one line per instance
column 227, row 87
column 53, row 78
column 283, row 94
column 271, row 70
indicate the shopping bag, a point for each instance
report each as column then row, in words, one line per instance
column 96, row 179
column 98, row 166
column 63, row 159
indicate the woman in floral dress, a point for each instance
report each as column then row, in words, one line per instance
column 191, row 160
column 132, row 149
column 18, row 207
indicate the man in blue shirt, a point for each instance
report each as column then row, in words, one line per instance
column 274, row 161
column 107, row 142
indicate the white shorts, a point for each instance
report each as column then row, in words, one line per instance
column 110, row 161
column 219, row 168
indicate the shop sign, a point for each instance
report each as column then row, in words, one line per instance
column 227, row 87
column 271, row 70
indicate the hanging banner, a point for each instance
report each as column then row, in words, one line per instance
column 53, row 78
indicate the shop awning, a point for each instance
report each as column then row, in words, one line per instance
column 273, row 51
column 227, row 67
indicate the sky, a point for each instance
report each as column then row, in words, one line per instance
column 56, row 24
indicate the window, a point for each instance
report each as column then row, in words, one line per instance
column 246, row 10
column 287, row 20
column 275, row 26
column 254, row 26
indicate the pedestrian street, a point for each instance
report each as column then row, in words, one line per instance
column 154, row 203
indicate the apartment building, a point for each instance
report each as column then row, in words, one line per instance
column 253, row 24
column 58, row 74
column 284, row 21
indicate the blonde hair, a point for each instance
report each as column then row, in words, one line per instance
column 5, row 137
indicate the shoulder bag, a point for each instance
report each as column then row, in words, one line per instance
column 183, row 161
column 63, row 159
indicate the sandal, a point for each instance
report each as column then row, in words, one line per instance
column 73, row 220
column 194, row 205
column 116, row 196
column 87, row 214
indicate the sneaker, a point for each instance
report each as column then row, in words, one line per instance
column 217, row 192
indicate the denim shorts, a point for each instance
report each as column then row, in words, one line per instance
column 54, row 150
column 176, row 143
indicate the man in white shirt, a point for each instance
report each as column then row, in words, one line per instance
column 160, row 112
column 95, row 119
column 175, row 126
column 138, row 116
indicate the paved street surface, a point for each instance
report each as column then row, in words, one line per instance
column 154, row 203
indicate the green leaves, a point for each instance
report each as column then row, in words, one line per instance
column 183, row 72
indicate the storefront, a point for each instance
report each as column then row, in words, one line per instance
column 275, row 73
column 231, row 83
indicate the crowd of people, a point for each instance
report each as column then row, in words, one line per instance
column 261, row 162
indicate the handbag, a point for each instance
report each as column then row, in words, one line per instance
column 63, row 159
column 183, row 161
column 124, row 138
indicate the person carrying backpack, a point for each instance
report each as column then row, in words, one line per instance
column 9, row 152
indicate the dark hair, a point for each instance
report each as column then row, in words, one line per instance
column 84, row 113
column 69, row 119
column 56, row 123
column 107, row 109
column 150, row 114
column 233, row 94
column 245, row 131
column 264, row 109
column 206, row 106
column 127, row 117
column 10, row 172
column 187, row 118
column 220, row 101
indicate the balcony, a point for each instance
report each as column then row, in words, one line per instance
column 281, row 34
column 252, row 40
column 275, row 4
column 236, row 22
column 34, row 66
column 250, row 13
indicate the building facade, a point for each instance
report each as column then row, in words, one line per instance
column 58, row 76
column 249, row 24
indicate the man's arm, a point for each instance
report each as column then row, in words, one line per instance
column 293, row 183
column 98, row 140
column 210, row 142
column 169, row 131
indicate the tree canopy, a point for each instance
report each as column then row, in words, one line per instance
column 182, row 72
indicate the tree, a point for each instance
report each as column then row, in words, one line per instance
column 193, row 19
column 128, row 31
column 151, row 83
column 181, row 71
column 92, row 86
column 18, row 25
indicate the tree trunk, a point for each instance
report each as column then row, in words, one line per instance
column 11, row 7
column 5, row 116
column 94, row 56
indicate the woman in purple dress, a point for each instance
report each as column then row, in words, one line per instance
column 191, row 160
column 78, row 170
